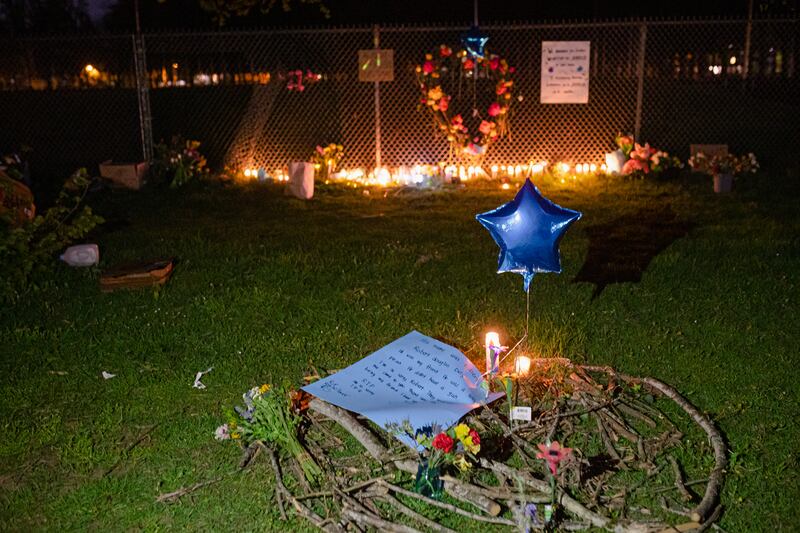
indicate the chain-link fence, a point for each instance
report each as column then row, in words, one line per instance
column 73, row 100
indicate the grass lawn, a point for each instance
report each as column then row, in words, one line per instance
column 266, row 284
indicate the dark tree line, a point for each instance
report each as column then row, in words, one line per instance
column 71, row 16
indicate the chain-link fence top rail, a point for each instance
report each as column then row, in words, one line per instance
column 226, row 90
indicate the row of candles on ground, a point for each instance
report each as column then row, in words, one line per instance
column 419, row 174
column 522, row 363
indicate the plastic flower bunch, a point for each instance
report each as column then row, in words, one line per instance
column 453, row 446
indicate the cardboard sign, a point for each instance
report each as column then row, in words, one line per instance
column 376, row 65
column 414, row 378
column 565, row 72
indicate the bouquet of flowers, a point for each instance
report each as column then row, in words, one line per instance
column 645, row 159
column 268, row 417
column 328, row 158
column 723, row 164
column 624, row 143
column 439, row 447
column 180, row 161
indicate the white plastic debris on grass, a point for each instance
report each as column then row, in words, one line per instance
column 197, row 383
column 107, row 375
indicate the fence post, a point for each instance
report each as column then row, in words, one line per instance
column 637, row 128
column 143, row 97
column 376, row 38
column 748, row 31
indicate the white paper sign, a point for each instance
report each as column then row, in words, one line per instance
column 414, row 378
column 565, row 72
column 521, row 413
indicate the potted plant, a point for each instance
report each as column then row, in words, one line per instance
column 723, row 168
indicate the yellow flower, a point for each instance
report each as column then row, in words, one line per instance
column 418, row 69
column 429, row 57
column 435, row 93
column 236, row 436
column 470, row 446
column 462, row 430
column 462, row 463
column 264, row 388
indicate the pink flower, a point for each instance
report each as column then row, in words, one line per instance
column 427, row 67
column 320, row 150
column 222, row 432
column 485, row 127
column 512, row 70
column 494, row 109
column 553, row 454
column 632, row 165
column 642, row 152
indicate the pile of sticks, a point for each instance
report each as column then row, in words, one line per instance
column 364, row 492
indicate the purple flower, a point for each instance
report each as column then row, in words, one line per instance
column 531, row 516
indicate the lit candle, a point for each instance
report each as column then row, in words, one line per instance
column 492, row 340
column 522, row 365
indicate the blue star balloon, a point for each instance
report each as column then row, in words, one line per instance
column 474, row 42
column 528, row 230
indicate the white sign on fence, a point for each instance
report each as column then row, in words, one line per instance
column 565, row 72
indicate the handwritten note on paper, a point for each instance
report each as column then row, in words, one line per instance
column 414, row 378
column 565, row 72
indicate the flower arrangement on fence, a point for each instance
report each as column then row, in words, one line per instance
column 179, row 162
column 327, row 159
column 269, row 418
column 723, row 164
column 446, row 65
column 297, row 80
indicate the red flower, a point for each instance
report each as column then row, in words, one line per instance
column 443, row 442
column 494, row 63
column 476, row 439
column 553, row 454
column 427, row 68
column 501, row 89
column 485, row 127
column 468, row 64
column 445, row 51
column 444, row 103
column 494, row 109
column 512, row 70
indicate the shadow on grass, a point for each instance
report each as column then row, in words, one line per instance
column 622, row 249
